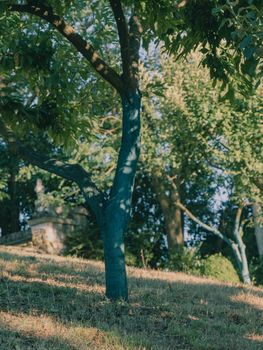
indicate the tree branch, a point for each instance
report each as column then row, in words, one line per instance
column 215, row 231
column 71, row 172
column 135, row 40
column 237, row 221
column 82, row 46
column 238, row 229
column 205, row 226
column 123, row 36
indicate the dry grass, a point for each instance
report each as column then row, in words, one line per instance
column 57, row 303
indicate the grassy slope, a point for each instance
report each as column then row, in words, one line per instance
column 58, row 303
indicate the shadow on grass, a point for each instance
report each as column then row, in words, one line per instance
column 162, row 314
column 10, row 339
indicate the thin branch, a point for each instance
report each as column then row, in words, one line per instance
column 202, row 224
column 82, row 46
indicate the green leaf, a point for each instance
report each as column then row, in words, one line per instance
column 245, row 42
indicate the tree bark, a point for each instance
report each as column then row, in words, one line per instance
column 114, row 255
column 258, row 223
column 14, row 224
column 118, row 207
column 172, row 214
column 173, row 220
column 238, row 229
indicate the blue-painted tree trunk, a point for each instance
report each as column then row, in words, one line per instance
column 117, row 208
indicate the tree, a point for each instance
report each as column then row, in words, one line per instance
column 195, row 137
column 111, row 209
column 180, row 128
column 112, row 212
column 237, row 245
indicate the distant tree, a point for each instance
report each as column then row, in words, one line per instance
column 198, row 145
column 181, row 126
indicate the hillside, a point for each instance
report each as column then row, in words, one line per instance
column 57, row 303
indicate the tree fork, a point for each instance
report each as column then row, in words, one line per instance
column 237, row 247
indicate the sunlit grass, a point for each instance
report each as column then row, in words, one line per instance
column 57, row 303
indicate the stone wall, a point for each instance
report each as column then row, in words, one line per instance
column 49, row 232
column 16, row 238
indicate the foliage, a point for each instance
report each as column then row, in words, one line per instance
column 219, row 267
column 84, row 243
column 187, row 260
column 256, row 268
column 43, row 79
column 216, row 265
column 182, row 126
column 227, row 33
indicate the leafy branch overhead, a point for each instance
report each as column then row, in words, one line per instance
column 86, row 49
column 228, row 33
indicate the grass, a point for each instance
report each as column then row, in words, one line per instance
column 58, row 303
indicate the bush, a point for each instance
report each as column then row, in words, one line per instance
column 219, row 267
column 256, row 270
column 185, row 260
column 85, row 243
column 145, row 249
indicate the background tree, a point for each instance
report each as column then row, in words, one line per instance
column 204, row 142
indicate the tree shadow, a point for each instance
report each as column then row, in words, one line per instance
column 63, row 271
column 164, row 312
column 10, row 339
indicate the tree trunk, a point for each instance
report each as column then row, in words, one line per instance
column 239, row 250
column 10, row 212
column 244, row 271
column 117, row 208
column 172, row 215
column 238, row 247
column 258, row 223
column 14, row 224
column 114, row 257
column 174, row 230
column 243, row 264
column 176, row 234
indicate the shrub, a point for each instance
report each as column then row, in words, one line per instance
column 185, row 260
column 256, row 270
column 85, row 243
column 219, row 267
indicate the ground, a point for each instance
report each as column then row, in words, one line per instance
column 58, row 303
